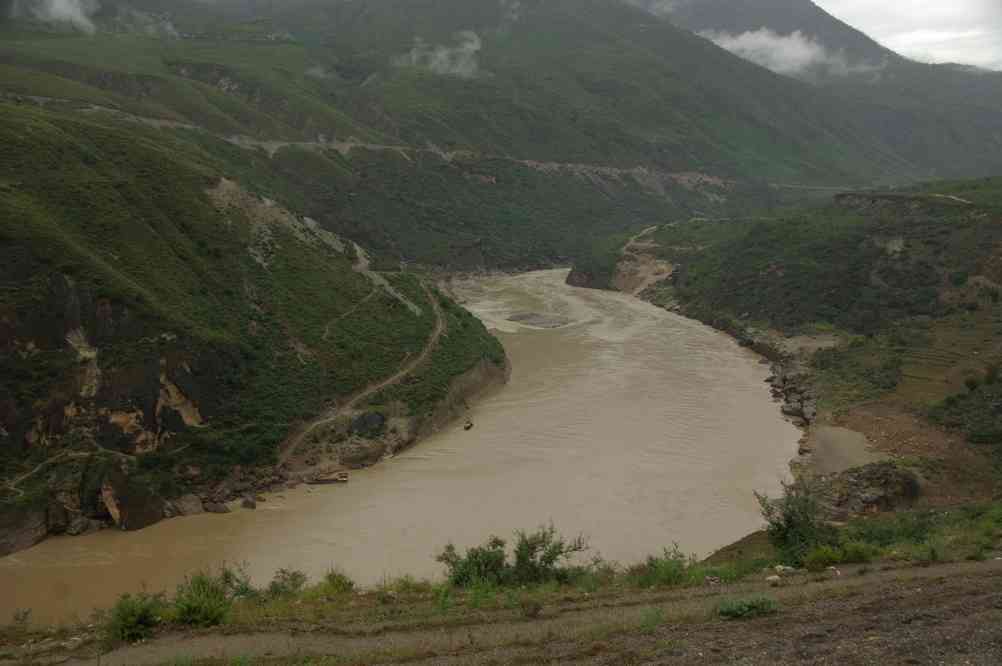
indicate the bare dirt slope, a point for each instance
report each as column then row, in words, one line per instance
column 639, row 267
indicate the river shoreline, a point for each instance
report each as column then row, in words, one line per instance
column 582, row 437
column 245, row 488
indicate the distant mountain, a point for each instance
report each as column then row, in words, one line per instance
column 923, row 110
column 553, row 103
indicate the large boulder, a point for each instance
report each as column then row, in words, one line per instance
column 79, row 525
column 186, row 505
column 216, row 507
column 21, row 527
column 873, row 488
column 131, row 504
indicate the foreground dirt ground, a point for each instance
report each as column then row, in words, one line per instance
column 877, row 614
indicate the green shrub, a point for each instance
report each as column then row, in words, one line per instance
column 821, row 557
column 858, row 552
column 337, row 582
column 795, row 523
column 669, row 570
column 203, row 600
column 741, row 609
column 443, row 598
column 237, row 583
column 134, row 617
column 480, row 563
column 286, row 583
column 483, row 594
column 539, row 557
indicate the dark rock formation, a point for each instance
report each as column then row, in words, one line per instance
column 135, row 504
column 581, row 278
column 873, row 488
column 370, row 424
column 216, row 507
column 21, row 527
column 186, row 505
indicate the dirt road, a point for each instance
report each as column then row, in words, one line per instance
column 291, row 444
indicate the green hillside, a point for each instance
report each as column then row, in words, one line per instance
column 155, row 314
column 905, row 284
column 495, row 134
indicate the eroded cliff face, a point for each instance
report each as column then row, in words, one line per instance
column 82, row 365
column 88, row 387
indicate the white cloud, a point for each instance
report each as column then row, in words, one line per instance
column 76, row 13
column 459, row 60
column 793, row 54
column 658, row 7
column 962, row 31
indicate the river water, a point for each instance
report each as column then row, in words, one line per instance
column 628, row 424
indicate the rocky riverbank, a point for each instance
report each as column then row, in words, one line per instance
column 360, row 439
column 850, row 478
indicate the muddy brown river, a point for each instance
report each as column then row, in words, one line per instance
column 631, row 425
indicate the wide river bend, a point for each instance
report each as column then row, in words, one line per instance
column 634, row 426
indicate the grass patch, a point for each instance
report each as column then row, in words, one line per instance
column 746, row 609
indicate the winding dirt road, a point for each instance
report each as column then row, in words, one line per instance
column 292, row 442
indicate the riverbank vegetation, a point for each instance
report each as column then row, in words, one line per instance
column 894, row 295
column 541, row 572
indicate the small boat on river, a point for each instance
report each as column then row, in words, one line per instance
column 336, row 477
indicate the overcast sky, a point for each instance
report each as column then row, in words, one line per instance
column 964, row 31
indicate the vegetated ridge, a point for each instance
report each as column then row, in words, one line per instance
column 524, row 131
column 163, row 328
column 881, row 314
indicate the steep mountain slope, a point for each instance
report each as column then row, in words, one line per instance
column 161, row 325
column 484, row 132
column 924, row 110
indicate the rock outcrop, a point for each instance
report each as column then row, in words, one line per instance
column 186, row 505
column 132, row 505
column 581, row 278
column 873, row 488
column 21, row 527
